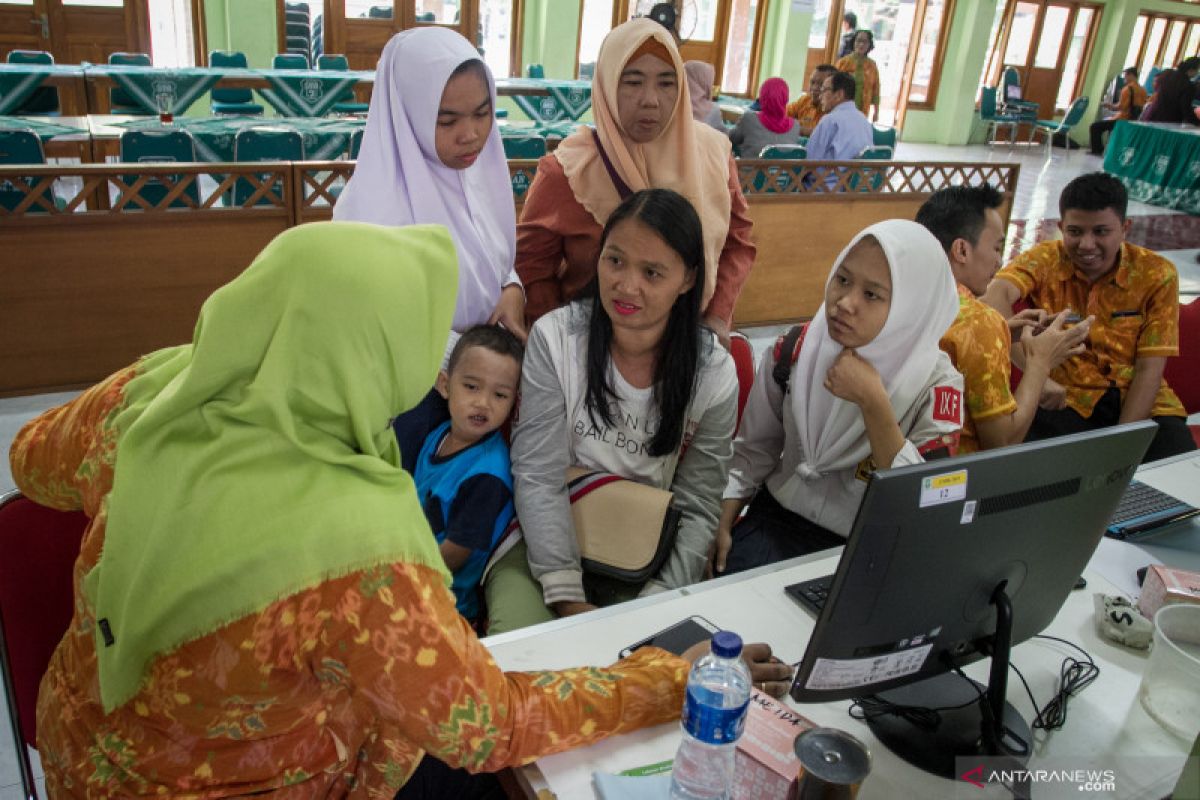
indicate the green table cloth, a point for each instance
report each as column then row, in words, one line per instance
column 565, row 101
column 18, row 81
column 307, row 93
column 45, row 129
column 157, row 89
column 551, row 130
column 1159, row 163
column 324, row 139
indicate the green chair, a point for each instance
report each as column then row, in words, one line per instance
column 1010, row 97
column 232, row 101
column 532, row 146
column 338, row 63
column 883, row 136
column 1051, row 128
column 521, row 183
column 264, row 144
column 535, row 71
column 792, row 151
column 119, row 100
column 289, row 61
column 427, row 16
column 156, row 147
column 873, row 153
column 21, row 146
column 355, row 144
column 380, row 12
column 876, row 153
column 991, row 116
column 44, row 99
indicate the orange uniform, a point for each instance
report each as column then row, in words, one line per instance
column 979, row 343
column 1136, row 307
column 807, row 110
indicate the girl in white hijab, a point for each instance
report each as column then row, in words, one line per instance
column 431, row 153
column 867, row 388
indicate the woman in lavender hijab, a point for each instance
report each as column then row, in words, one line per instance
column 431, row 153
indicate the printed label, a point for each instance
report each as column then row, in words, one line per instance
column 712, row 725
column 947, row 404
column 946, row 488
column 846, row 673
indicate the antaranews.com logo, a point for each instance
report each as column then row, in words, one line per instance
column 982, row 772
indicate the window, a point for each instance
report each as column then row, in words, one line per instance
column 742, row 20
column 1068, row 88
column 595, row 21
column 96, row 3
column 1135, row 43
column 171, row 43
column 991, row 71
column 1050, row 40
column 1020, row 35
column 819, row 29
column 1158, row 27
column 926, row 71
column 1174, row 39
column 699, row 21
column 1192, row 45
column 440, row 12
column 370, row 9
column 495, row 40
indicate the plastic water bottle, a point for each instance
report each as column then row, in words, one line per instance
column 714, row 713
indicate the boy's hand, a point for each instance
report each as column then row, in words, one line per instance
column 510, row 312
column 1056, row 343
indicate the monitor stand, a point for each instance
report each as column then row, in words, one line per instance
column 990, row 726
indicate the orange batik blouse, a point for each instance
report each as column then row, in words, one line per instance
column 336, row 691
column 979, row 344
column 1136, row 307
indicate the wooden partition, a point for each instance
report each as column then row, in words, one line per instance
column 91, row 282
column 87, row 290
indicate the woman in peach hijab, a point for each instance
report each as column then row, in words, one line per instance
column 644, row 137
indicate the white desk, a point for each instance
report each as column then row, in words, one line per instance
column 1106, row 726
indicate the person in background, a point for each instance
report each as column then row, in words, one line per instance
column 843, row 132
column 1129, row 106
column 966, row 221
column 624, row 381
column 849, row 27
column 700, row 76
column 865, row 73
column 868, row 388
column 807, row 108
column 1133, row 295
column 260, row 607
column 644, row 138
column 462, row 473
column 1174, row 93
column 767, row 126
column 431, row 153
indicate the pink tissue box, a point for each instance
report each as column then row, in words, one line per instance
column 1164, row 586
column 766, row 764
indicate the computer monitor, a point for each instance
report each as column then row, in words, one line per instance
column 953, row 560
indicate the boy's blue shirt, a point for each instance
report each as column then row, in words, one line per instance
column 467, row 499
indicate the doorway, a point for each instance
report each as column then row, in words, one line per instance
column 75, row 30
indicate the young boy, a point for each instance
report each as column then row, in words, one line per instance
column 1132, row 292
column 966, row 221
column 462, row 472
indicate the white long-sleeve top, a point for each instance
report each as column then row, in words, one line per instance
column 768, row 450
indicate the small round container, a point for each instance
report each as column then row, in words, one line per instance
column 833, row 764
column 1170, row 690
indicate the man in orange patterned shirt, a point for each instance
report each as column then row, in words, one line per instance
column 1133, row 294
column 967, row 222
column 807, row 109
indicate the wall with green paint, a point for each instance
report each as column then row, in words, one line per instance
column 245, row 25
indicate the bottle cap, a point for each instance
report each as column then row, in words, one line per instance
column 726, row 644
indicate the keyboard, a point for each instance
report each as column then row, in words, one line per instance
column 1143, row 510
column 811, row 594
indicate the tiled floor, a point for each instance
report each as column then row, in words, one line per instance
column 1034, row 217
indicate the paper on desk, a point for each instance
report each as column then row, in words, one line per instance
column 1118, row 562
column 628, row 787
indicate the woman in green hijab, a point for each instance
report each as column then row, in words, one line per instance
column 259, row 601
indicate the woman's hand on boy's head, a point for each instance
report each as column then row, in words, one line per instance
column 510, row 312
column 852, row 378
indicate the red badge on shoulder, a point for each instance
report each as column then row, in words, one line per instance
column 947, row 404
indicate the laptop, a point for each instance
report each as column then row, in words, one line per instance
column 1145, row 511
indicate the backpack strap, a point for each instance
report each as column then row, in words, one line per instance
column 787, row 351
column 622, row 188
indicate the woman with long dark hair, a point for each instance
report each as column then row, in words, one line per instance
column 624, row 380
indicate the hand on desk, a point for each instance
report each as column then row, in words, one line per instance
column 767, row 672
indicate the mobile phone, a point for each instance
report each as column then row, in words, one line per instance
column 1072, row 319
column 677, row 638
